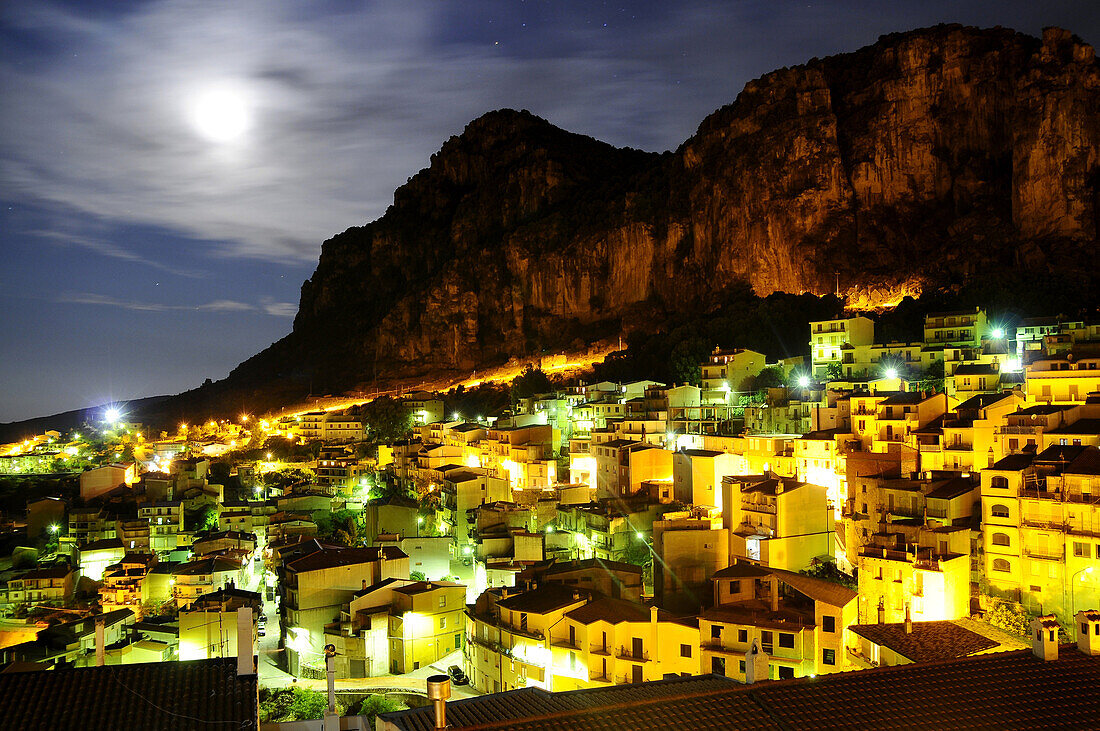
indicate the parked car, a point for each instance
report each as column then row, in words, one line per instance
column 457, row 675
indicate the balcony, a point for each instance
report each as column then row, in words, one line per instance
column 1037, row 494
column 1045, row 524
column 1045, row 554
column 1017, row 429
column 758, row 507
column 625, row 653
column 715, row 646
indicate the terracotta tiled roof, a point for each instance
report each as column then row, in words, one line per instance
column 999, row 690
column 607, row 609
column 327, row 559
column 544, row 599
column 196, row 694
column 927, row 642
column 592, row 563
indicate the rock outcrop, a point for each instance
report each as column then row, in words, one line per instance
column 921, row 160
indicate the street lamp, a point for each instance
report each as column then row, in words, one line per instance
column 1073, row 599
column 419, row 522
column 55, row 528
column 803, row 381
column 891, row 372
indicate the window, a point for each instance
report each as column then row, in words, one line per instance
column 742, row 635
column 442, row 599
column 741, row 666
column 785, row 673
column 1000, row 564
column 735, row 587
column 523, row 621
column 718, row 665
column 828, row 624
column 766, row 641
column 1000, row 539
column 999, row 481
column 786, row 639
column 828, row 657
column 716, row 631
column 685, row 650
column 999, row 511
column 1080, row 549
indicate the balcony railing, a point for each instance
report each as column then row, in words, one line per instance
column 758, row 507
column 1047, row 554
column 1044, row 524
column 1016, row 429
column 626, row 653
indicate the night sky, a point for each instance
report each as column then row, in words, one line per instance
column 168, row 170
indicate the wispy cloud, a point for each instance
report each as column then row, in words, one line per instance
column 111, row 250
column 344, row 106
column 276, row 309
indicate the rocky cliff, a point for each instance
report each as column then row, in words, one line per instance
column 920, row 160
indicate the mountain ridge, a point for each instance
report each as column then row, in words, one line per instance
column 920, row 162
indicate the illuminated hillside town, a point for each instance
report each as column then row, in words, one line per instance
column 870, row 506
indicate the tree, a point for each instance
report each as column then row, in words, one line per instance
column 208, row 518
column 531, row 382
column 293, row 704
column 684, row 360
column 834, row 371
column 386, row 419
column 373, row 705
column 417, row 576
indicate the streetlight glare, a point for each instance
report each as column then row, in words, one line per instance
column 639, row 535
column 803, row 381
column 111, row 415
column 891, row 372
column 998, row 333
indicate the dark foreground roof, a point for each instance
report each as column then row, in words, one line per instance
column 194, row 694
column 1000, row 690
column 928, row 641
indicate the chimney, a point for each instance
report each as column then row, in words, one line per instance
column 1088, row 631
column 100, row 643
column 908, row 621
column 332, row 719
column 775, row 594
column 756, row 664
column 245, row 664
column 881, row 613
column 364, row 584
column 1044, row 637
column 439, row 690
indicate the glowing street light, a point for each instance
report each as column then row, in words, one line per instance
column 456, row 416
column 111, row 415
column 891, row 372
column 803, row 381
column 998, row 333
column 267, row 456
column 639, row 535
column 244, row 418
column 54, row 528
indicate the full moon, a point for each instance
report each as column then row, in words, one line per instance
column 220, row 116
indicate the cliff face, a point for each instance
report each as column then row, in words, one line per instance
column 926, row 157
